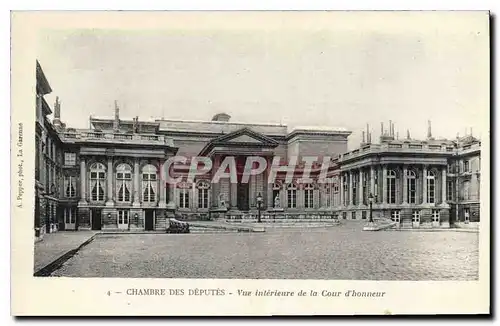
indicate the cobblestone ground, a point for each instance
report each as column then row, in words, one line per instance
column 343, row 252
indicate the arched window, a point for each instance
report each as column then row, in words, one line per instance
column 276, row 193
column 183, row 189
column 431, row 187
column 203, row 188
column 123, row 183
column 411, row 185
column 149, row 183
column 391, row 187
column 292, row 195
column 308, row 195
column 97, row 182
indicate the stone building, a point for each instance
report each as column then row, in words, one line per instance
column 48, row 160
column 115, row 174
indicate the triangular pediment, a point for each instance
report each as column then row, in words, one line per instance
column 242, row 137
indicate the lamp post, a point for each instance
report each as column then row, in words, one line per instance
column 370, row 199
column 259, row 205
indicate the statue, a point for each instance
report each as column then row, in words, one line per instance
column 277, row 201
column 222, row 202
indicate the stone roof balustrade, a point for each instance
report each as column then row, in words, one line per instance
column 107, row 137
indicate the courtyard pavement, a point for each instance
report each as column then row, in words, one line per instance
column 342, row 253
column 54, row 245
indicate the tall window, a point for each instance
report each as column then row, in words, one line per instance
column 466, row 190
column 308, row 195
column 411, row 180
column 149, row 183
column 183, row 190
column 431, row 187
column 69, row 186
column 123, row 182
column 69, row 158
column 466, row 166
column 292, row 195
column 97, row 181
column 335, row 193
column 328, row 194
column 354, row 189
column 37, row 158
column 449, row 190
column 203, row 190
column 391, row 187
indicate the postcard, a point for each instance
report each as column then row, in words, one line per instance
column 250, row 163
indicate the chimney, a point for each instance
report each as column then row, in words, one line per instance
column 408, row 134
column 368, row 135
column 471, row 131
column 363, row 137
column 390, row 127
column 381, row 129
column 397, row 135
column 429, row 130
column 57, row 109
column 116, row 122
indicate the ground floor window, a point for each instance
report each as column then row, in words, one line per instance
column 395, row 216
column 123, row 217
column 344, row 215
column 435, row 215
column 353, row 215
column 415, row 216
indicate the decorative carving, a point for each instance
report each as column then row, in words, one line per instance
column 222, row 201
column 277, row 203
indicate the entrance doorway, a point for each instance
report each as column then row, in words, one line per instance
column 95, row 218
column 70, row 218
column 243, row 196
column 149, row 217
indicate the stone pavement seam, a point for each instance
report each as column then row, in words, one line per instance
column 57, row 263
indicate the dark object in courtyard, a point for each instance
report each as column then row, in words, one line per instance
column 176, row 226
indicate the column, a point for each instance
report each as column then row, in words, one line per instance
column 215, row 186
column 234, row 195
column 163, row 184
column 443, row 186
column 424, row 184
column 83, row 181
column 384, row 184
column 360, row 188
column 405, row 184
column 350, row 189
column 372, row 181
column 136, row 201
column 109, row 179
column 341, row 190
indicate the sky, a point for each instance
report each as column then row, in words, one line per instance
column 348, row 74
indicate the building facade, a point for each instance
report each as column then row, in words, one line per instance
column 115, row 175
